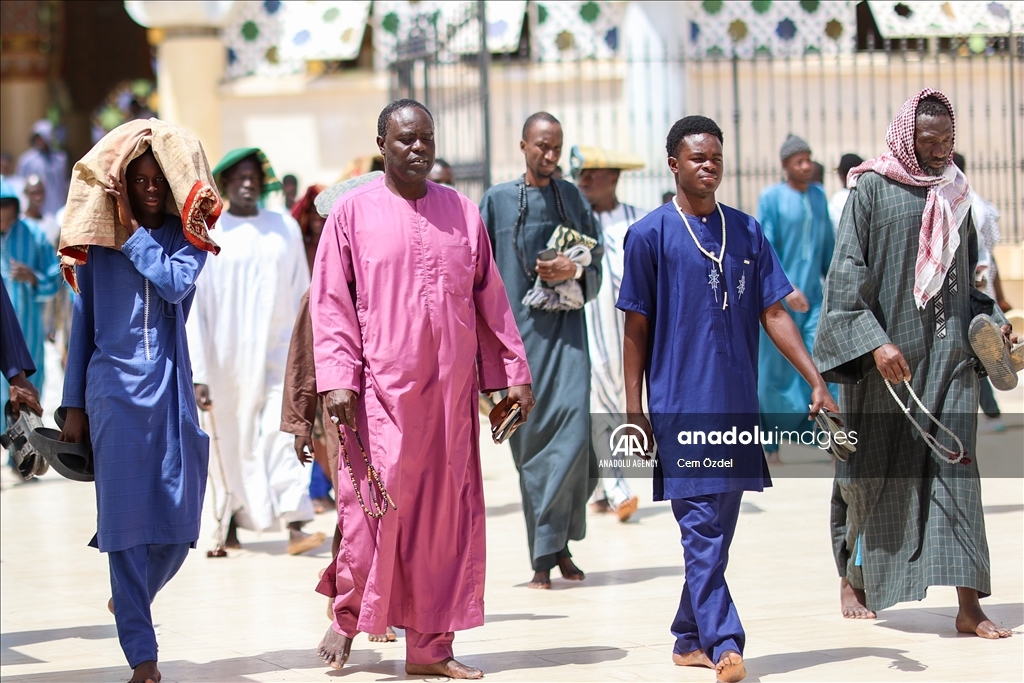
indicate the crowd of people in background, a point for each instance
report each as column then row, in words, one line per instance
column 363, row 329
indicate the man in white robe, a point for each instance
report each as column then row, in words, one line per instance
column 597, row 172
column 239, row 332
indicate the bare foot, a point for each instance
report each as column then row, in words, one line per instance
column 973, row 621
column 570, row 571
column 540, row 580
column 110, row 605
column 334, row 649
column 600, row 507
column 387, row 637
column 446, row 667
column 231, row 541
column 851, row 600
column 730, row 668
column 692, row 658
column 146, row 673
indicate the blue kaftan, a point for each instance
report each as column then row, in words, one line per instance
column 129, row 368
column 702, row 361
column 798, row 227
column 26, row 243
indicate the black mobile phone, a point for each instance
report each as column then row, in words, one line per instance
column 548, row 254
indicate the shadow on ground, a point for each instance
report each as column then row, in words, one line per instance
column 613, row 577
column 498, row 662
column 10, row 657
column 789, row 662
column 939, row 621
column 233, row 670
column 492, row 618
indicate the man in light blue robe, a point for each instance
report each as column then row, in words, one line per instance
column 128, row 386
column 28, row 265
column 795, row 220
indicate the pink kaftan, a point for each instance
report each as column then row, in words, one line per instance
column 409, row 311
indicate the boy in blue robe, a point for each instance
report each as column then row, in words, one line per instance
column 699, row 278
column 128, row 386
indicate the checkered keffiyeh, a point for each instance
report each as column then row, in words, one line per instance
column 949, row 196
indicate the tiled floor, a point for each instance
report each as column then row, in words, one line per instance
column 254, row 616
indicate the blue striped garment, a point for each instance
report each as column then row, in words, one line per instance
column 27, row 244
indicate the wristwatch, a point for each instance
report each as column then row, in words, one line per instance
column 579, row 272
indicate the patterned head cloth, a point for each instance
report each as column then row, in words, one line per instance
column 949, row 195
column 270, row 180
column 304, row 208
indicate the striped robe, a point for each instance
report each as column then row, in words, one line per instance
column 26, row 243
column 902, row 520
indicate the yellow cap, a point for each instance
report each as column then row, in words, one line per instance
column 594, row 157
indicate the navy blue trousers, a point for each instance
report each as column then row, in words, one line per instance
column 707, row 618
column 136, row 576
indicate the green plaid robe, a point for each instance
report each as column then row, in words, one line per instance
column 918, row 520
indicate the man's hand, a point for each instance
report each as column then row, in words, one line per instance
column 202, row 396
column 797, row 301
column 22, row 273
column 124, row 209
column 640, row 420
column 821, row 398
column 304, row 449
column 342, row 404
column 22, row 391
column 891, row 364
column 76, row 426
column 557, row 269
column 521, row 394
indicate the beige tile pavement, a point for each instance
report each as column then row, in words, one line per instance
column 254, row 616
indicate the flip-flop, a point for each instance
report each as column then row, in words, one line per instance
column 70, row 460
column 627, row 508
column 994, row 352
column 834, row 425
column 27, row 459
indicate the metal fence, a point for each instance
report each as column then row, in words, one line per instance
column 840, row 103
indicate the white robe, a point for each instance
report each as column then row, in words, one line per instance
column 247, row 299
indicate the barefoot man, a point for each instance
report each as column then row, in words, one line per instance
column 553, row 453
column 128, row 384
column 410, row 323
column 897, row 300
column 699, row 278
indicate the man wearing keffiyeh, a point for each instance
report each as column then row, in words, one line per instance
column 897, row 300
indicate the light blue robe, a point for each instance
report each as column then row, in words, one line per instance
column 129, row 368
column 798, row 226
column 26, row 243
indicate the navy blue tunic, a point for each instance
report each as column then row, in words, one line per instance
column 701, row 360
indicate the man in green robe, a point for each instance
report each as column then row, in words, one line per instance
column 906, row 513
column 552, row 451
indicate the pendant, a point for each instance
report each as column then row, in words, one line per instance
column 741, row 287
column 713, row 282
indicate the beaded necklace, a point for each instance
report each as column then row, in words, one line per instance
column 521, row 219
column 713, row 277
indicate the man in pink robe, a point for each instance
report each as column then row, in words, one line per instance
column 410, row 322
